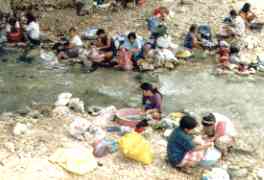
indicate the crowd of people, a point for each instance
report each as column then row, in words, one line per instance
column 126, row 51
column 186, row 149
column 22, row 29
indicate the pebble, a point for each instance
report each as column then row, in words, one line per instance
column 35, row 114
column 260, row 174
column 77, row 105
column 20, row 129
column 238, row 172
column 10, row 147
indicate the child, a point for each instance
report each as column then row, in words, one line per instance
column 219, row 129
column 191, row 40
column 224, row 53
column 181, row 150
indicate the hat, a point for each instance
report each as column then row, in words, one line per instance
column 208, row 119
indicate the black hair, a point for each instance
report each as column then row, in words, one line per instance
column 72, row 29
column 30, row 18
column 208, row 119
column 104, row 39
column 148, row 87
column 188, row 122
column 100, row 31
column 12, row 21
column 234, row 50
column 246, row 8
column 193, row 28
column 233, row 13
column 132, row 35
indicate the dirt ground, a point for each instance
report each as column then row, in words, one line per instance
column 26, row 157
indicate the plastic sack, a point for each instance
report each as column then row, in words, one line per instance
column 103, row 147
column 135, row 147
column 77, row 160
column 105, row 115
column 216, row 174
column 79, row 127
column 212, row 155
column 183, row 54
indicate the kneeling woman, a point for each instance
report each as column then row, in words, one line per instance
column 152, row 101
column 72, row 48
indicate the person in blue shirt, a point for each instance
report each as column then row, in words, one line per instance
column 191, row 41
column 134, row 45
column 181, row 150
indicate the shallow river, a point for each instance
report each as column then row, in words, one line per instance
column 194, row 88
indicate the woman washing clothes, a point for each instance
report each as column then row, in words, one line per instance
column 191, row 40
column 250, row 17
column 106, row 47
column 32, row 30
column 72, row 48
column 14, row 31
column 152, row 101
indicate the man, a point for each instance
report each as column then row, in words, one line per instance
column 219, row 129
column 181, row 149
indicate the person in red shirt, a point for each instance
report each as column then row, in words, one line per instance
column 161, row 12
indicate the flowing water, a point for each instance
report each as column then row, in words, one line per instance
column 194, row 88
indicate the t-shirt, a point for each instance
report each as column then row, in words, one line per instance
column 179, row 143
column 153, row 23
column 224, row 126
column 76, row 41
column 240, row 25
column 188, row 42
column 152, row 102
column 137, row 44
column 33, row 30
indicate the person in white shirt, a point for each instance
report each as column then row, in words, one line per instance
column 72, row 49
column 32, row 29
column 234, row 26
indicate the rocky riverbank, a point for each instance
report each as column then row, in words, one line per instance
column 29, row 138
column 31, row 135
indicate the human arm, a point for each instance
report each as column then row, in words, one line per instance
column 203, row 147
column 108, row 45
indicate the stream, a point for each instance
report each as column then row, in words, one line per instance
column 195, row 88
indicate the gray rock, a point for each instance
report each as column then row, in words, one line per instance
column 23, row 111
column 20, row 129
column 235, row 173
column 6, row 116
column 260, row 174
column 35, row 114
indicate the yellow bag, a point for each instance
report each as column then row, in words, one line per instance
column 77, row 160
column 135, row 147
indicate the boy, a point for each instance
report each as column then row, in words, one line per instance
column 181, row 150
